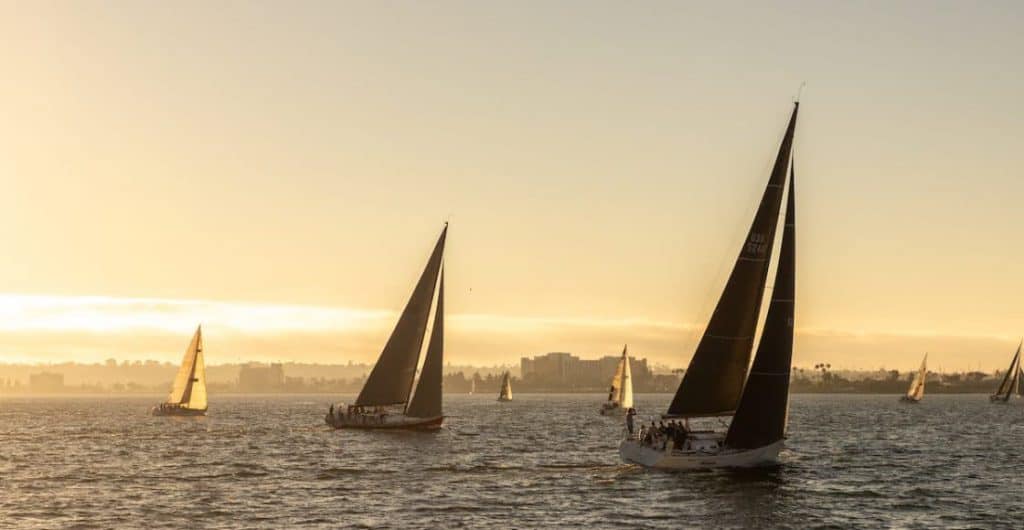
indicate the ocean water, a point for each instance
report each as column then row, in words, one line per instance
column 541, row 461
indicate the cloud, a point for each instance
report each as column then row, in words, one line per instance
column 92, row 328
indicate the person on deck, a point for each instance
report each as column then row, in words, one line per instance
column 629, row 420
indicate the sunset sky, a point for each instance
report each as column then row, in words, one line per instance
column 280, row 172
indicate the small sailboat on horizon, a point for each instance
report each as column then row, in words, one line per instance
column 188, row 392
column 1010, row 385
column 916, row 391
column 620, row 394
column 387, row 400
column 506, row 387
column 720, row 381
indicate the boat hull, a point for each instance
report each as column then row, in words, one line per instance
column 157, row 411
column 613, row 411
column 634, row 452
column 503, row 399
column 388, row 422
column 908, row 399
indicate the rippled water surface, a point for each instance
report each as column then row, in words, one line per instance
column 539, row 461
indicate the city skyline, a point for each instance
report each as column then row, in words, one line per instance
column 279, row 174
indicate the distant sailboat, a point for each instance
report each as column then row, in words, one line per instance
column 720, row 380
column 620, row 394
column 506, row 388
column 1010, row 384
column 188, row 393
column 916, row 390
column 472, row 385
column 387, row 400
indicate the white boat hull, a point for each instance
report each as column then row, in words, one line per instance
column 708, row 456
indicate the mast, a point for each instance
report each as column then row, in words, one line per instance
column 390, row 381
column 760, row 419
column 197, row 391
column 714, row 380
column 426, row 402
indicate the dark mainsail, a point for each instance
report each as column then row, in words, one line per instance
column 426, row 402
column 714, row 380
column 760, row 419
column 1006, row 386
column 391, row 379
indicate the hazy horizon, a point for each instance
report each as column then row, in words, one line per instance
column 279, row 174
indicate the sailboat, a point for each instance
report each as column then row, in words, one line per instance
column 472, row 385
column 506, row 388
column 387, row 400
column 916, row 390
column 1010, row 384
column 620, row 394
column 188, row 393
column 717, row 382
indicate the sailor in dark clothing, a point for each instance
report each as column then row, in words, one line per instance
column 629, row 420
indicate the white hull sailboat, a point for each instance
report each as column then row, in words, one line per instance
column 387, row 400
column 506, row 387
column 699, row 453
column 717, row 382
column 620, row 394
column 916, row 391
column 1010, row 386
column 188, row 393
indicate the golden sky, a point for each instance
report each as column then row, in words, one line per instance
column 280, row 171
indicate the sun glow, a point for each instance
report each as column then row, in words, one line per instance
column 101, row 314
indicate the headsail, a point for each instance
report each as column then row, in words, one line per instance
column 916, row 390
column 390, row 381
column 189, row 388
column 715, row 377
column 626, row 396
column 760, row 419
column 426, row 402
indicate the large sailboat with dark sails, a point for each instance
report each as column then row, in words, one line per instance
column 1010, row 384
column 188, row 392
column 720, row 381
column 388, row 400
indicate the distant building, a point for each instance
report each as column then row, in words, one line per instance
column 566, row 371
column 46, row 382
column 257, row 377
